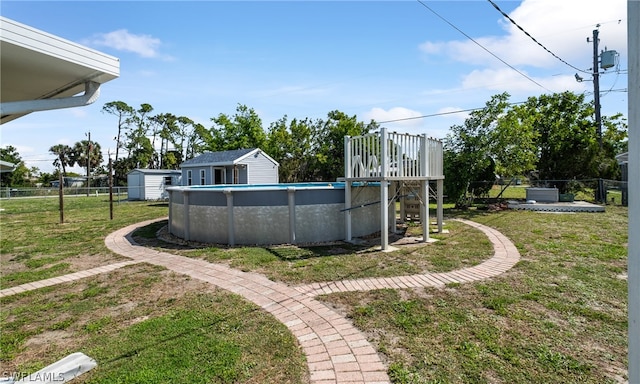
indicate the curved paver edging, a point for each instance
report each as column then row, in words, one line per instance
column 505, row 256
column 336, row 351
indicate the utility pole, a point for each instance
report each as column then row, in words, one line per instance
column 600, row 191
column 596, row 86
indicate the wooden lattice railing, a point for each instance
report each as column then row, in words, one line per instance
column 392, row 156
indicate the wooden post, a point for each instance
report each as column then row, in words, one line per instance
column 424, row 209
column 61, row 196
column 110, row 189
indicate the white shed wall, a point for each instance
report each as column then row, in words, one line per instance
column 149, row 186
column 153, row 187
column 260, row 170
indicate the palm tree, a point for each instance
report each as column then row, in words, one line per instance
column 64, row 157
column 86, row 149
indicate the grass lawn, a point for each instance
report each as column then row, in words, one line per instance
column 307, row 264
column 143, row 324
column 559, row 316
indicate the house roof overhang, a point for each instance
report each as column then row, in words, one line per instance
column 37, row 66
column 6, row 166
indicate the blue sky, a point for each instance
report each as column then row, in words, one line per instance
column 374, row 59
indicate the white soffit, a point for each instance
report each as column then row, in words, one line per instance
column 35, row 65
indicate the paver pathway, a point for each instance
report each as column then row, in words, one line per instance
column 336, row 351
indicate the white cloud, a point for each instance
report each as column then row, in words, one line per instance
column 454, row 112
column 561, row 26
column 511, row 81
column 123, row 40
column 397, row 113
column 23, row 150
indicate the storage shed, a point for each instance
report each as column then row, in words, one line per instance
column 240, row 166
column 151, row 184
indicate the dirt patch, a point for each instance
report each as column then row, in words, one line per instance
column 47, row 338
column 84, row 262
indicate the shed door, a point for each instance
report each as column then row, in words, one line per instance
column 219, row 176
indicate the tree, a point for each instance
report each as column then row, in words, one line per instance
column 614, row 142
column 242, row 131
column 197, row 141
column 329, row 143
column 139, row 147
column 513, row 144
column 125, row 114
column 20, row 173
column 469, row 151
column 165, row 127
column 183, row 138
column 567, row 143
column 87, row 154
column 64, row 157
column 290, row 144
column 550, row 137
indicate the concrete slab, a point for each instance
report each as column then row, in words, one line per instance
column 575, row 206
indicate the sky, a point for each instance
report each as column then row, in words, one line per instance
column 420, row 61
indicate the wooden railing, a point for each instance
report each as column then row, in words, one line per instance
column 388, row 156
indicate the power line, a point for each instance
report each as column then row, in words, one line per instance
column 481, row 46
column 532, row 38
column 441, row 114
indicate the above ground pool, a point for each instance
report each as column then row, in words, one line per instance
column 257, row 214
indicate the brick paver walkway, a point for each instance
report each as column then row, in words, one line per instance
column 504, row 258
column 336, row 351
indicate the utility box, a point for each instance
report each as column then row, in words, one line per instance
column 608, row 59
column 543, row 195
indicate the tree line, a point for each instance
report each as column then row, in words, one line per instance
column 549, row 137
column 307, row 149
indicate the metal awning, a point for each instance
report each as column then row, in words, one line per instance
column 40, row 71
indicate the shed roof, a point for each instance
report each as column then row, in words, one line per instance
column 222, row 158
column 36, row 65
column 147, row 171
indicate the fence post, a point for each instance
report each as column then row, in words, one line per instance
column 61, row 198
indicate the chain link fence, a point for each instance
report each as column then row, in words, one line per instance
column 597, row 191
column 119, row 193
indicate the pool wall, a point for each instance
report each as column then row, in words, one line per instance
column 270, row 214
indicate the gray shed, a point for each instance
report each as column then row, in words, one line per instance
column 240, row 166
column 151, row 184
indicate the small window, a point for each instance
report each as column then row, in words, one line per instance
column 202, row 179
column 189, row 181
column 167, row 180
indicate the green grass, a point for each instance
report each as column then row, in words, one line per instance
column 143, row 324
column 306, row 264
column 170, row 328
column 35, row 246
column 559, row 316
